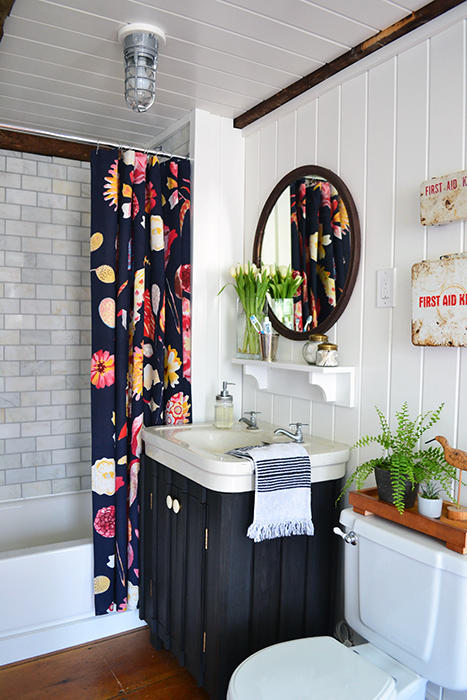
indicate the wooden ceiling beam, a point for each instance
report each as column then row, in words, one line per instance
column 45, row 145
column 383, row 38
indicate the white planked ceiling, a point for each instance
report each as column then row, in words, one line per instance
column 61, row 66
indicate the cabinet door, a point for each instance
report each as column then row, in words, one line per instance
column 179, row 524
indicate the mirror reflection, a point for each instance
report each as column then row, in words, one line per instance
column 310, row 225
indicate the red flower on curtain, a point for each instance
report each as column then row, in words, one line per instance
column 102, row 369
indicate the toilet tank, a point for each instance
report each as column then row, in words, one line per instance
column 406, row 593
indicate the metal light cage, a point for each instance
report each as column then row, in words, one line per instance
column 140, row 52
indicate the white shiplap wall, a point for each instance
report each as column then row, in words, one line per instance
column 384, row 126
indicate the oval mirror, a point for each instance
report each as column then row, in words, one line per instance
column 310, row 224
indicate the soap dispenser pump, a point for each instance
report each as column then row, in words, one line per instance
column 223, row 408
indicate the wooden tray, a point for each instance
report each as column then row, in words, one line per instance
column 453, row 532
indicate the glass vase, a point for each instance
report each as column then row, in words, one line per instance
column 284, row 311
column 248, row 343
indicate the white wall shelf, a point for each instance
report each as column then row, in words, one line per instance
column 326, row 384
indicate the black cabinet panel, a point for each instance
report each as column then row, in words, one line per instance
column 214, row 596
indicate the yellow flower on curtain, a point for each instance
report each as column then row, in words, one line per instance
column 112, row 185
column 313, row 246
column 136, row 378
column 172, row 364
column 328, row 283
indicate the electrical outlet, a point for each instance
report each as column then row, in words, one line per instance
column 385, row 288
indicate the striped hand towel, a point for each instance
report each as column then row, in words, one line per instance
column 282, row 491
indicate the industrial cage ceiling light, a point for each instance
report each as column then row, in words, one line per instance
column 140, row 51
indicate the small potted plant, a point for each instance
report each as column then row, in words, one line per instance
column 429, row 502
column 403, row 465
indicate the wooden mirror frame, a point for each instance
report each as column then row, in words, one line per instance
column 286, row 181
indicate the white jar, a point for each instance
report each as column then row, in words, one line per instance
column 327, row 355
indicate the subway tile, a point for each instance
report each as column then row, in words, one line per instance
column 50, row 383
column 57, row 471
column 33, row 489
column 56, row 443
column 19, row 415
column 81, row 323
column 10, row 337
column 78, row 263
column 50, row 291
column 38, row 184
column 20, row 352
column 67, row 248
column 20, row 445
column 10, row 274
column 53, row 412
column 78, row 204
column 85, row 454
column 19, row 290
column 20, row 259
column 66, row 218
column 63, row 367
column 10, row 211
column 78, row 381
column 50, row 230
column 9, row 369
column 10, row 492
column 18, row 228
column 66, row 485
column 86, row 484
column 42, row 278
column 19, row 476
column 35, row 306
column 14, row 196
column 12, row 461
column 52, row 170
column 54, row 323
column 36, row 398
column 85, row 338
column 11, row 399
column 65, row 397
column 40, row 427
column 66, row 456
column 11, row 180
column 21, row 165
column 78, row 411
column 78, row 469
column 9, row 430
column 49, row 262
column 67, row 278
column 9, row 306
column 50, row 352
column 65, row 307
column 8, row 242
column 78, row 293
column 52, row 201
column 37, row 245
column 20, row 321
column 78, row 174
column 36, row 459
column 37, row 214
column 29, row 369
column 64, row 427
column 80, row 233
column 66, row 187
column 35, row 337
column 78, row 352
column 86, row 189
column 85, row 309
column 78, row 440
column 2, row 478
column 18, row 384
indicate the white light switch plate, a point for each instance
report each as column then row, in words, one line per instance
column 386, row 288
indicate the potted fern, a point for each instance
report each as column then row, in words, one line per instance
column 403, row 465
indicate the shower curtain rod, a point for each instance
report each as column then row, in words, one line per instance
column 89, row 142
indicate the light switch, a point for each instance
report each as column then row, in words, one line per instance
column 385, row 288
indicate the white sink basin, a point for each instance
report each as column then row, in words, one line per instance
column 198, row 451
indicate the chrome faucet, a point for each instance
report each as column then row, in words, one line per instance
column 297, row 436
column 251, row 421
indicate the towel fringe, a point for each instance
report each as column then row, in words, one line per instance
column 263, row 531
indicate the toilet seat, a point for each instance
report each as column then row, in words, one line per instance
column 316, row 667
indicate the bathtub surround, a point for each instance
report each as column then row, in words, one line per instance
column 45, row 325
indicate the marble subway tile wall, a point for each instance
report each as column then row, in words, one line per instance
column 45, row 325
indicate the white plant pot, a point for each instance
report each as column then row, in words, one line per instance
column 431, row 507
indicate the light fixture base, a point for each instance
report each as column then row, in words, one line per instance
column 141, row 28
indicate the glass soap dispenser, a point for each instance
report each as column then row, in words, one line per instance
column 223, row 408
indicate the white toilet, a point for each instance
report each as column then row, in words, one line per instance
column 406, row 593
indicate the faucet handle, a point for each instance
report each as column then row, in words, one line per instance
column 251, row 413
column 298, row 428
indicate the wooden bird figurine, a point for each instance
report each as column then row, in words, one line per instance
column 458, row 459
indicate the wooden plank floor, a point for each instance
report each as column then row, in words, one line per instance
column 125, row 666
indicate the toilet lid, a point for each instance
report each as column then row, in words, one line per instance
column 316, row 667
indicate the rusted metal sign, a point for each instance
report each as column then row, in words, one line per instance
column 444, row 199
column 439, row 301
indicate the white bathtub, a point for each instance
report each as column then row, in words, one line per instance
column 46, row 574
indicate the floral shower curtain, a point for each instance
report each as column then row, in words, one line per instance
column 320, row 233
column 140, row 367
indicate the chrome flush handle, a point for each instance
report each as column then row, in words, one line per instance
column 350, row 538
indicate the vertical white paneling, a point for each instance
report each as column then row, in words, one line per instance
column 216, row 241
column 410, row 236
column 377, row 322
column 446, row 117
column 305, row 146
column 328, row 130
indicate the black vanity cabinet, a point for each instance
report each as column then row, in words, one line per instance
column 212, row 595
